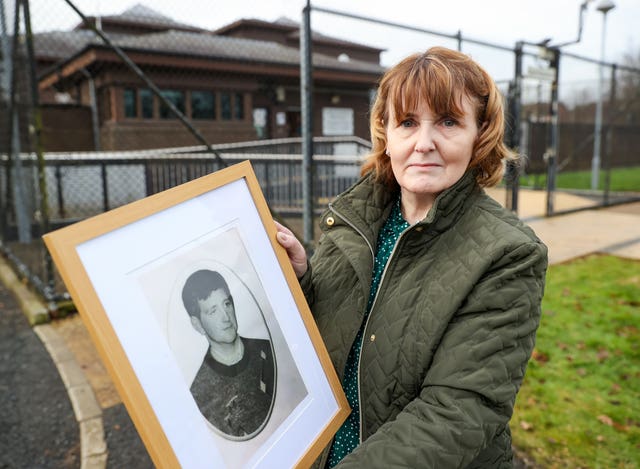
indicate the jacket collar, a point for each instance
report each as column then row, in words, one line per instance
column 450, row 204
column 367, row 204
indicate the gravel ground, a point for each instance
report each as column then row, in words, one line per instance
column 37, row 424
column 125, row 446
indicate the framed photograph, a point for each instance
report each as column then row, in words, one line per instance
column 200, row 320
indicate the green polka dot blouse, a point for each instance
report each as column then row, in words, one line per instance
column 348, row 435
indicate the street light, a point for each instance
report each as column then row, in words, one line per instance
column 605, row 6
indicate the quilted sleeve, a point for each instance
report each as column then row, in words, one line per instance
column 469, row 390
column 306, row 284
column 307, row 280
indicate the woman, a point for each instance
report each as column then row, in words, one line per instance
column 426, row 291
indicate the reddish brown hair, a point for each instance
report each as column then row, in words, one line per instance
column 440, row 77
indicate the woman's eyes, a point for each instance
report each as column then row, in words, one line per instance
column 445, row 121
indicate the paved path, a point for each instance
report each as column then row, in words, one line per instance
column 37, row 424
column 61, row 409
column 58, row 407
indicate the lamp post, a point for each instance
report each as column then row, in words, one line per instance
column 605, row 6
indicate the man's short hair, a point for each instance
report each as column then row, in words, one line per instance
column 199, row 286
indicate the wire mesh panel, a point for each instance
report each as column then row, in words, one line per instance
column 555, row 119
column 584, row 129
column 104, row 103
column 138, row 79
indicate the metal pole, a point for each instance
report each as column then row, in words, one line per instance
column 597, row 132
column 608, row 147
column 6, row 53
column 513, row 169
column 49, row 293
column 105, row 187
column 552, row 150
column 9, row 62
column 306, row 98
column 19, row 198
column 5, row 85
column 36, row 120
column 15, row 173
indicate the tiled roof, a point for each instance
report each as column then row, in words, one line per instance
column 64, row 44
column 292, row 31
column 232, row 48
column 143, row 15
column 61, row 44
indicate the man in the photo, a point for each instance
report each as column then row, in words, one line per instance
column 234, row 388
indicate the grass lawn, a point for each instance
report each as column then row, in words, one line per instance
column 622, row 180
column 579, row 406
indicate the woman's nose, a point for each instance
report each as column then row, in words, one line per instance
column 424, row 138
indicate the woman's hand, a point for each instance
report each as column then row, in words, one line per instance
column 295, row 250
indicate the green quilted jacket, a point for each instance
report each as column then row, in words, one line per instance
column 449, row 334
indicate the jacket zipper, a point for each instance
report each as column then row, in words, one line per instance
column 366, row 324
column 364, row 331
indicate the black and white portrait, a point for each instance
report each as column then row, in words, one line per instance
column 204, row 328
column 235, row 385
column 219, row 323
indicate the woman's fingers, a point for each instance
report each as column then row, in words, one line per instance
column 295, row 250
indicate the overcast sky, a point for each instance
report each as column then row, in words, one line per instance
column 502, row 21
column 497, row 21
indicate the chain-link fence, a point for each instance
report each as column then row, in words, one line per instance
column 98, row 111
column 578, row 133
column 135, row 102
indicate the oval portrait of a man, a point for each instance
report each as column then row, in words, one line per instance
column 234, row 387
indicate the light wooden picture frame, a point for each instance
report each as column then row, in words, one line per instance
column 127, row 272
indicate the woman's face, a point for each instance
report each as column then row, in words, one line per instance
column 430, row 153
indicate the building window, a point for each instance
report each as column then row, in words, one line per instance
column 130, row 103
column 260, row 120
column 225, row 106
column 176, row 98
column 146, row 103
column 203, row 105
column 238, row 106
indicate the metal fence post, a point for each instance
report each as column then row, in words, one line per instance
column 37, row 141
column 552, row 149
column 513, row 168
column 59, row 189
column 5, row 83
column 607, row 154
column 306, row 98
column 105, row 186
column 15, row 173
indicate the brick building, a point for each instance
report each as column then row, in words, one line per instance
column 240, row 82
